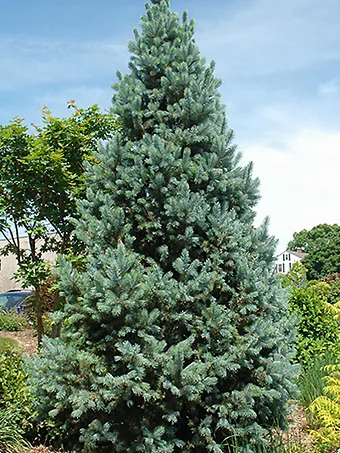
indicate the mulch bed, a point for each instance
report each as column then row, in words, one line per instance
column 298, row 432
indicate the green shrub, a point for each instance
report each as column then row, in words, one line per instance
column 14, row 393
column 318, row 330
column 334, row 296
column 13, row 322
column 11, row 435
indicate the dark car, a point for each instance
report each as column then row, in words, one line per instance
column 14, row 300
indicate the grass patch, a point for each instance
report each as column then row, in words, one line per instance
column 5, row 341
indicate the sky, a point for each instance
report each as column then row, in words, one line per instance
column 279, row 62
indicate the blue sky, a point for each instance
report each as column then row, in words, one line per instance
column 279, row 61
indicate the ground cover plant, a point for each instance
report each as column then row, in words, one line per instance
column 176, row 332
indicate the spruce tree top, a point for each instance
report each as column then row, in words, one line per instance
column 170, row 111
column 155, row 2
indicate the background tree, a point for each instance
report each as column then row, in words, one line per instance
column 41, row 175
column 334, row 283
column 176, row 333
column 322, row 243
column 297, row 276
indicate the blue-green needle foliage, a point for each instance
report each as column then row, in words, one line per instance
column 176, row 333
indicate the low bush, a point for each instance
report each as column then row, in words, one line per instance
column 15, row 397
column 9, row 320
column 318, row 330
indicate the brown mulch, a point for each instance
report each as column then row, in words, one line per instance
column 26, row 338
column 299, row 430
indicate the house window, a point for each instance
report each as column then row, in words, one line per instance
column 283, row 268
column 283, row 257
column 290, row 266
column 279, row 268
column 289, row 256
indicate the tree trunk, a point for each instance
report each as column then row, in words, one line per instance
column 39, row 313
column 56, row 328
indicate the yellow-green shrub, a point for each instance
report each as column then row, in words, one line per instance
column 326, row 409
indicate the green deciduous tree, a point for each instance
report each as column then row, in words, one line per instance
column 176, row 333
column 41, row 175
column 297, row 276
column 322, row 243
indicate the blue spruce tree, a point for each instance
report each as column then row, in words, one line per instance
column 176, row 335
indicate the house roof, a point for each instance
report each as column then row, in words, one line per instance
column 296, row 253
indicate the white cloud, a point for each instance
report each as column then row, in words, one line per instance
column 300, row 182
column 265, row 37
column 329, row 88
column 29, row 62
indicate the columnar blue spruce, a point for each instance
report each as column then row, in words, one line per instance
column 176, row 334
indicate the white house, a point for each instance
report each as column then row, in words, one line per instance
column 9, row 266
column 285, row 260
